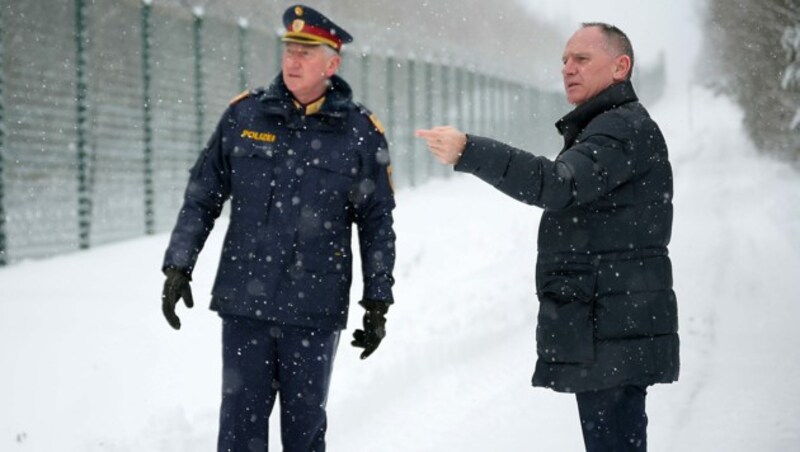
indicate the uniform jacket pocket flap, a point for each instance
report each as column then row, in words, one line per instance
column 342, row 162
column 327, row 261
column 264, row 151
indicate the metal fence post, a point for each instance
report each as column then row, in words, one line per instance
column 512, row 110
column 278, row 52
column 428, row 113
column 484, row 103
column 242, row 54
column 147, row 127
column 197, row 34
column 444, row 75
column 444, row 94
column 509, row 109
column 520, row 114
column 364, row 73
column 496, row 108
column 490, row 117
column 530, row 113
column 412, row 181
column 3, row 253
column 504, row 111
column 458, row 83
column 82, row 119
column 469, row 119
column 390, row 66
column 477, row 98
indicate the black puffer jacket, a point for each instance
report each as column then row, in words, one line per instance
column 607, row 314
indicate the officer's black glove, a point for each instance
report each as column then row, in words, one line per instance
column 374, row 327
column 175, row 287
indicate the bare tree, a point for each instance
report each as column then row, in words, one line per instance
column 747, row 45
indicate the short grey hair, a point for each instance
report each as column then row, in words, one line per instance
column 617, row 38
column 330, row 51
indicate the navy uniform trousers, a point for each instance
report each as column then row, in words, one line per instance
column 614, row 420
column 261, row 359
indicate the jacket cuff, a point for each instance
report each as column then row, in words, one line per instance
column 485, row 158
column 381, row 306
column 167, row 269
column 469, row 160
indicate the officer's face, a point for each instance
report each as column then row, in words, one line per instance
column 306, row 70
column 590, row 65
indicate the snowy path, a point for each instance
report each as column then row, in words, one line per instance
column 736, row 251
column 90, row 365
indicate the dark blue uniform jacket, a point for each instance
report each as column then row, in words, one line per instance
column 607, row 311
column 296, row 183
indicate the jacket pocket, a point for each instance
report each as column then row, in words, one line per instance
column 325, row 194
column 319, row 286
column 565, row 330
column 252, row 177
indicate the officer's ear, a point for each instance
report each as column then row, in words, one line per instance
column 333, row 65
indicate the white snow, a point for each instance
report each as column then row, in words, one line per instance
column 89, row 364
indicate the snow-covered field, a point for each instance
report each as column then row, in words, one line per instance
column 89, row 364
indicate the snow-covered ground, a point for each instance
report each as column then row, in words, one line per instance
column 89, row 364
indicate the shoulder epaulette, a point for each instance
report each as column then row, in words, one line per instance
column 248, row 93
column 241, row 96
column 373, row 119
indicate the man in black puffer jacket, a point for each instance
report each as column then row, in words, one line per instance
column 607, row 325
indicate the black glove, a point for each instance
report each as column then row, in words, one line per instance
column 175, row 287
column 374, row 327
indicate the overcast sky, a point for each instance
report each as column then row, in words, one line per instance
column 652, row 26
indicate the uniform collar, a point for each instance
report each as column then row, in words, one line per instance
column 310, row 108
column 334, row 102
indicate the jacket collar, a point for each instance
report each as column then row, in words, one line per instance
column 612, row 97
column 277, row 99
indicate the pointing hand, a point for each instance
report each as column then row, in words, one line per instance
column 446, row 143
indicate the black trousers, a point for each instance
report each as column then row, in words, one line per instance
column 261, row 360
column 614, row 420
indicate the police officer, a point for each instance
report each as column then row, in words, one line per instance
column 300, row 162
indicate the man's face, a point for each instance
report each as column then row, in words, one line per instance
column 590, row 65
column 306, row 69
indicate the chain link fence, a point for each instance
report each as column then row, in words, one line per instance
column 103, row 111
